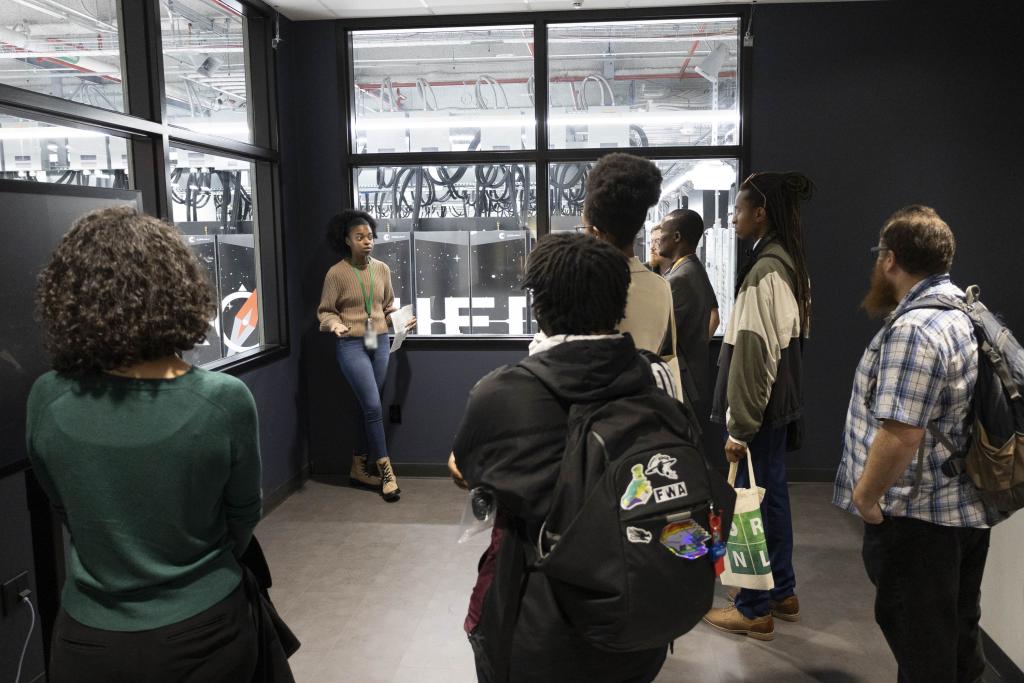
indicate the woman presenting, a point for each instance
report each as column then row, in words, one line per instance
column 355, row 306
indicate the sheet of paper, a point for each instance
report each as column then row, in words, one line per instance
column 400, row 319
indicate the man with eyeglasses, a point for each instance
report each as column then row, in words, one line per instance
column 926, row 534
column 655, row 263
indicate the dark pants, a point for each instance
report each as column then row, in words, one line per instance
column 768, row 453
column 365, row 372
column 928, row 600
column 218, row 644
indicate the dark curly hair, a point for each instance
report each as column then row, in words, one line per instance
column 120, row 289
column 579, row 284
column 921, row 241
column 620, row 190
column 339, row 227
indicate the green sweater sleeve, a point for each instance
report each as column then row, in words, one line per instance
column 38, row 399
column 243, row 496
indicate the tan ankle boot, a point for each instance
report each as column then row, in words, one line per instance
column 361, row 472
column 389, row 484
column 730, row 620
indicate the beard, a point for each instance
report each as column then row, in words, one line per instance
column 881, row 299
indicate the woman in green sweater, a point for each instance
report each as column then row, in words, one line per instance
column 153, row 464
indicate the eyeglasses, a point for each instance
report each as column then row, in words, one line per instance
column 875, row 251
column 582, row 228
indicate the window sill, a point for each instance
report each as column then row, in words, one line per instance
column 250, row 360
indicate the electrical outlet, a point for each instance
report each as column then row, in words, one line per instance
column 396, row 414
column 9, row 592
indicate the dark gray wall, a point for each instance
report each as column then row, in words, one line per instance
column 16, row 556
column 884, row 105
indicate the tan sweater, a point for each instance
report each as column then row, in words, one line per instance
column 649, row 316
column 342, row 297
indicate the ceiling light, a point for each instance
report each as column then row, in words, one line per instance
column 37, row 8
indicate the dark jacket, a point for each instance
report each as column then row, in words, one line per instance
column 511, row 440
column 760, row 369
column 276, row 641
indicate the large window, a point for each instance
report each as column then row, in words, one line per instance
column 643, row 84
column 64, row 48
column 456, row 239
column 173, row 99
column 205, row 76
column 443, row 90
column 41, row 152
column 470, row 142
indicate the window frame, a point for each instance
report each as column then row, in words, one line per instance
column 149, row 135
column 540, row 156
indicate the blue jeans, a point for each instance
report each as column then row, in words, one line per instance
column 365, row 372
column 768, row 452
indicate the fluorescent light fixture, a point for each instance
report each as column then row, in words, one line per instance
column 43, row 132
column 37, row 8
column 711, row 65
column 660, row 118
column 712, row 175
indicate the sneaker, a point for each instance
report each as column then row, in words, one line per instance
column 730, row 620
column 362, row 474
column 388, row 483
column 787, row 609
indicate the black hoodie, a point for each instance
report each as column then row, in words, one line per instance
column 512, row 440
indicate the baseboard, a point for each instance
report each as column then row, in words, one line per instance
column 278, row 495
column 1000, row 662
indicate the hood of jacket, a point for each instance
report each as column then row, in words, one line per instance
column 588, row 370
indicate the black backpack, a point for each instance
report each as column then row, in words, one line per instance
column 626, row 544
column 994, row 456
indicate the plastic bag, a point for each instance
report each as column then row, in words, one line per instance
column 478, row 513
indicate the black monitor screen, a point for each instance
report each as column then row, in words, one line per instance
column 33, row 218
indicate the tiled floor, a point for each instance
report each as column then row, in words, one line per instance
column 378, row 592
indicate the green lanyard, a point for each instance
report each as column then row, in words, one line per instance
column 367, row 296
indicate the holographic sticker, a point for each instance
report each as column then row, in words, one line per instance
column 661, row 464
column 685, row 539
column 639, row 490
column 638, row 535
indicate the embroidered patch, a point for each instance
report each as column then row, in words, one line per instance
column 639, row 490
column 638, row 535
column 685, row 539
column 670, row 492
column 661, row 464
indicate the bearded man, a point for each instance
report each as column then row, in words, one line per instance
column 926, row 534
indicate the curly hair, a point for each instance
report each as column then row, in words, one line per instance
column 921, row 241
column 121, row 288
column 339, row 227
column 620, row 190
column 579, row 284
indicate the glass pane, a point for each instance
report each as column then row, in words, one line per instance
column 456, row 239
column 440, row 90
column 64, row 48
column 205, row 72
column 707, row 186
column 644, row 84
column 213, row 210
column 37, row 151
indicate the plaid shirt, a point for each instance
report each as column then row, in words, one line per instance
column 926, row 367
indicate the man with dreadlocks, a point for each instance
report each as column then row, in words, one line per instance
column 512, row 440
column 759, row 393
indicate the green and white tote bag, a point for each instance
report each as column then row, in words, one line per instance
column 746, row 555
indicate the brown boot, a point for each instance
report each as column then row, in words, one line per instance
column 362, row 474
column 787, row 609
column 730, row 620
column 388, row 483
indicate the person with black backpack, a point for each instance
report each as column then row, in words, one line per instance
column 926, row 524
column 608, row 517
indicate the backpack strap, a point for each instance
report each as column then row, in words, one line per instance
column 954, row 464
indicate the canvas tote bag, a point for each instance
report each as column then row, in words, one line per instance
column 746, row 555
